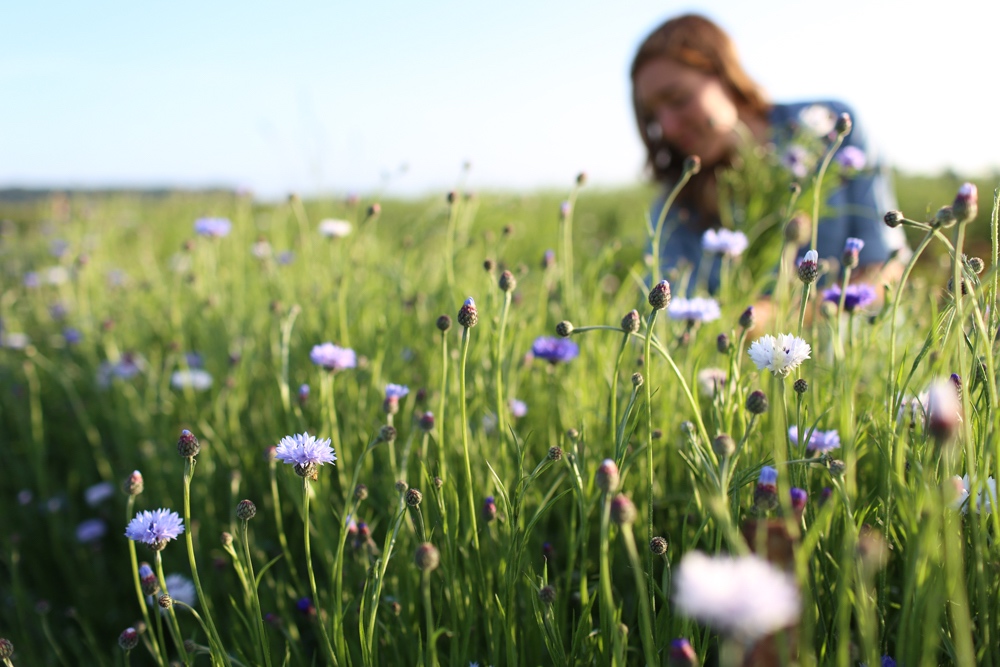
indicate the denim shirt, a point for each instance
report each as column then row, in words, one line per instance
column 857, row 206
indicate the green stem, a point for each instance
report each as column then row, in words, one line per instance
column 312, row 577
column 465, row 439
column 155, row 648
column 173, row 626
column 261, row 633
column 645, row 617
column 431, row 647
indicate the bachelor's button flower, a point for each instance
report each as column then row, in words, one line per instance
column 334, row 229
column 857, row 296
column 852, row 158
column 852, row 249
column 72, row 336
column 711, row 381
column 808, row 267
column 780, row 355
column 745, row 597
column 518, row 408
column 396, row 391
column 798, row 498
column 796, row 159
column 305, row 452
column 195, row 378
column 554, row 350
column 724, row 242
column 985, row 499
column 31, row 280
column 698, row 309
column 820, row 442
column 155, row 528
column 213, row 227
column 943, row 410
column 333, row 358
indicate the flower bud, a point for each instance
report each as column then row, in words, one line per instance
column 165, row 601
column 6, row 649
column 443, row 323
column 723, row 445
column 360, row 492
column 413, row 497
column 976, row 265
column 765, row 495
column 581, row 178
column 757, row 402
column 547, row 594
column 606, row 476
column 843, row 125
column 809, row 267
column 682, row 654
column 555, row 453
column 692, row 164
column 659, row 296
column 798, row 229
column 637, row 380
column 427, row 557
column 852, row 249
column 489, row 509
column 188, row 445
column 800, row 386
column 747, row 319
column 246, row 510
column 401, row 486
column 128, row 639
column 507, row 281
column 148, row 582
column 374, row 210
column 722, row 343
column 387, row 433
column 426, row 421
column 133, row 484
column 631, row 322
column 894, row 218
column 799, row 498
column 944, row 218
column 966, row 204
column 623, row 510
column 658, row 546
column 468, row 316
column 565, row 329
column 226, row 538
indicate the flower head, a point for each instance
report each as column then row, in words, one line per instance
column 195, row 378
column 155, row 528
column 555, row 350
column 852, row 248
column 820, row 442
column 213, row 227
column 518, row 408
column 986, row 499
column 851, row 158
column 808, row 267
column 724, row 242
column 304, row 450
column 797, row 160
column 90, row 530
column 818, row 119
column 780, row 355
column 333, row 358
column 334, row 229
column 698, row 309
column 396, row 391
column 943, row 410
column 966, row 204
column 711, row 381
column 746, row 597
column 856, row 296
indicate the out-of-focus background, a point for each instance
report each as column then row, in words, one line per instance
column 392, row 98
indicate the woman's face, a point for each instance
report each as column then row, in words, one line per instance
column 688, row 109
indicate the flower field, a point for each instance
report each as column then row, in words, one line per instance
column 486, row 430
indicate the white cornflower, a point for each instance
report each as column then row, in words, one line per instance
column 744, row 597
column 818, row 118
column 711, row 381
column 724, row 242
column 334, row 229
column 196, row 378
column 780, row 355
column 698, row 309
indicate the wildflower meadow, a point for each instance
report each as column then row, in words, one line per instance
column 488, row 430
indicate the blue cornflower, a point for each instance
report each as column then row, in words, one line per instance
column 698, row 309
column 888, row 661
column 333, row 358
column 768, row 476
column 155, row 528
column 304, row 450
column 857, row 296
column 554, row 349
column 214, row 227
column 820, row 442
column 72, row 336
column 31, row 280
column 853, row 245
column 396, row 391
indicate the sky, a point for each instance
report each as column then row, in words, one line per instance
column 395, row 97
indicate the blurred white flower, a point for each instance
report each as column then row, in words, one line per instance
column 56, row 275
column 985, row 499
column 745, row 597
column 780, row 355
column 332, row 228
column 261, row 250
column 724, row 241
column 180, row 588
column 818, row 119
column 14, row 340
column 711, row 381
column 195, row 378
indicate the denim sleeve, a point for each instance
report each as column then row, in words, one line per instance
column 856, row 208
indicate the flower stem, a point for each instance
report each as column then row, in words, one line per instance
column 261, row 634
column 155, row 648
column 312, row 577
column 465, row 439
column 431, row 647
column 172, row 625
column 645, row 619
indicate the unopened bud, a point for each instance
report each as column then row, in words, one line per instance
column 637, row 380
column 692, row 164
column 413, row 497
column 894, row 218
column 547, row 594
column 623, row 510
column 565, row 329
column 966, row 204
column 723, row 445
column 555, row 453
column 468, row 316
column 128, row 639
column 843, row 125
column 246, row 510
column 443, row 323
column 747, row 319
column 631, row 322
column 507, row 281
column 427, row 557
column 188, row 445
column 659, row 296
column 757, row 402
column 658, row 546
column 606, row 476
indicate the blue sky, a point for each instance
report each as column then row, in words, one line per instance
column 396, row 96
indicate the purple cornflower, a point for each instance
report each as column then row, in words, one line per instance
column 765, row 496
column 91, row 530
column 155, row 528
column 799, row 498
column 489, row 509
column 857, row 296
column 852, row 158
column 303, row 394
column 333, row 358
column 213, row 227
column 98, row 493
column 517, row 408
column 887, row 661
column 852, row 250
column 724, row 242
column 768, row 476
column 305, row 606
column 554, row 350
column 698, row 309
column 820, row 442
column 304, row 450
column 72, row 336
column 796, row 159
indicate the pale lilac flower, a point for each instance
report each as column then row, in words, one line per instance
column 125, row 368
column 195, row 378
column 796, row 159
column 285, row 257
column 304, row 450
column 745, row 597
column 565, row 209
column 98, row 493
column 711, row 381
column 213, row 227
column 518, row 408
column 335, row 229
column 72, row 336
column 819, row 441
column 698, row 309
column 724, row 242
column 58, row 247
column 14, row 340
column 852, row 158
column 780, row 355
column 333, row 358
column 396, row 391
column 31, row 280
column 853, row 245
column 91, row 530
column 818, row 119
column 24, row 497
column 155, row 527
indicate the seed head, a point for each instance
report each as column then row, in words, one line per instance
column 659, row 296
column 413, row 497
column 128, row 639
column 565, row 329
column 360, row 492
column 133, row 485
column 547, row 594
column 723, row 445
column 507, row 281
column 606, row 476
column 800, row 386
column 894, row 218
column 637, row 379
column 555, row 453
column 631, row 323
column 757, row 402
column 623, row 510
column 443, row 323
column 427, row 557
column 468, row 316
column 188, row 445
column 658, row 546
column 246, row 510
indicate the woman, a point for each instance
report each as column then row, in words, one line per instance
column 693, row 97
